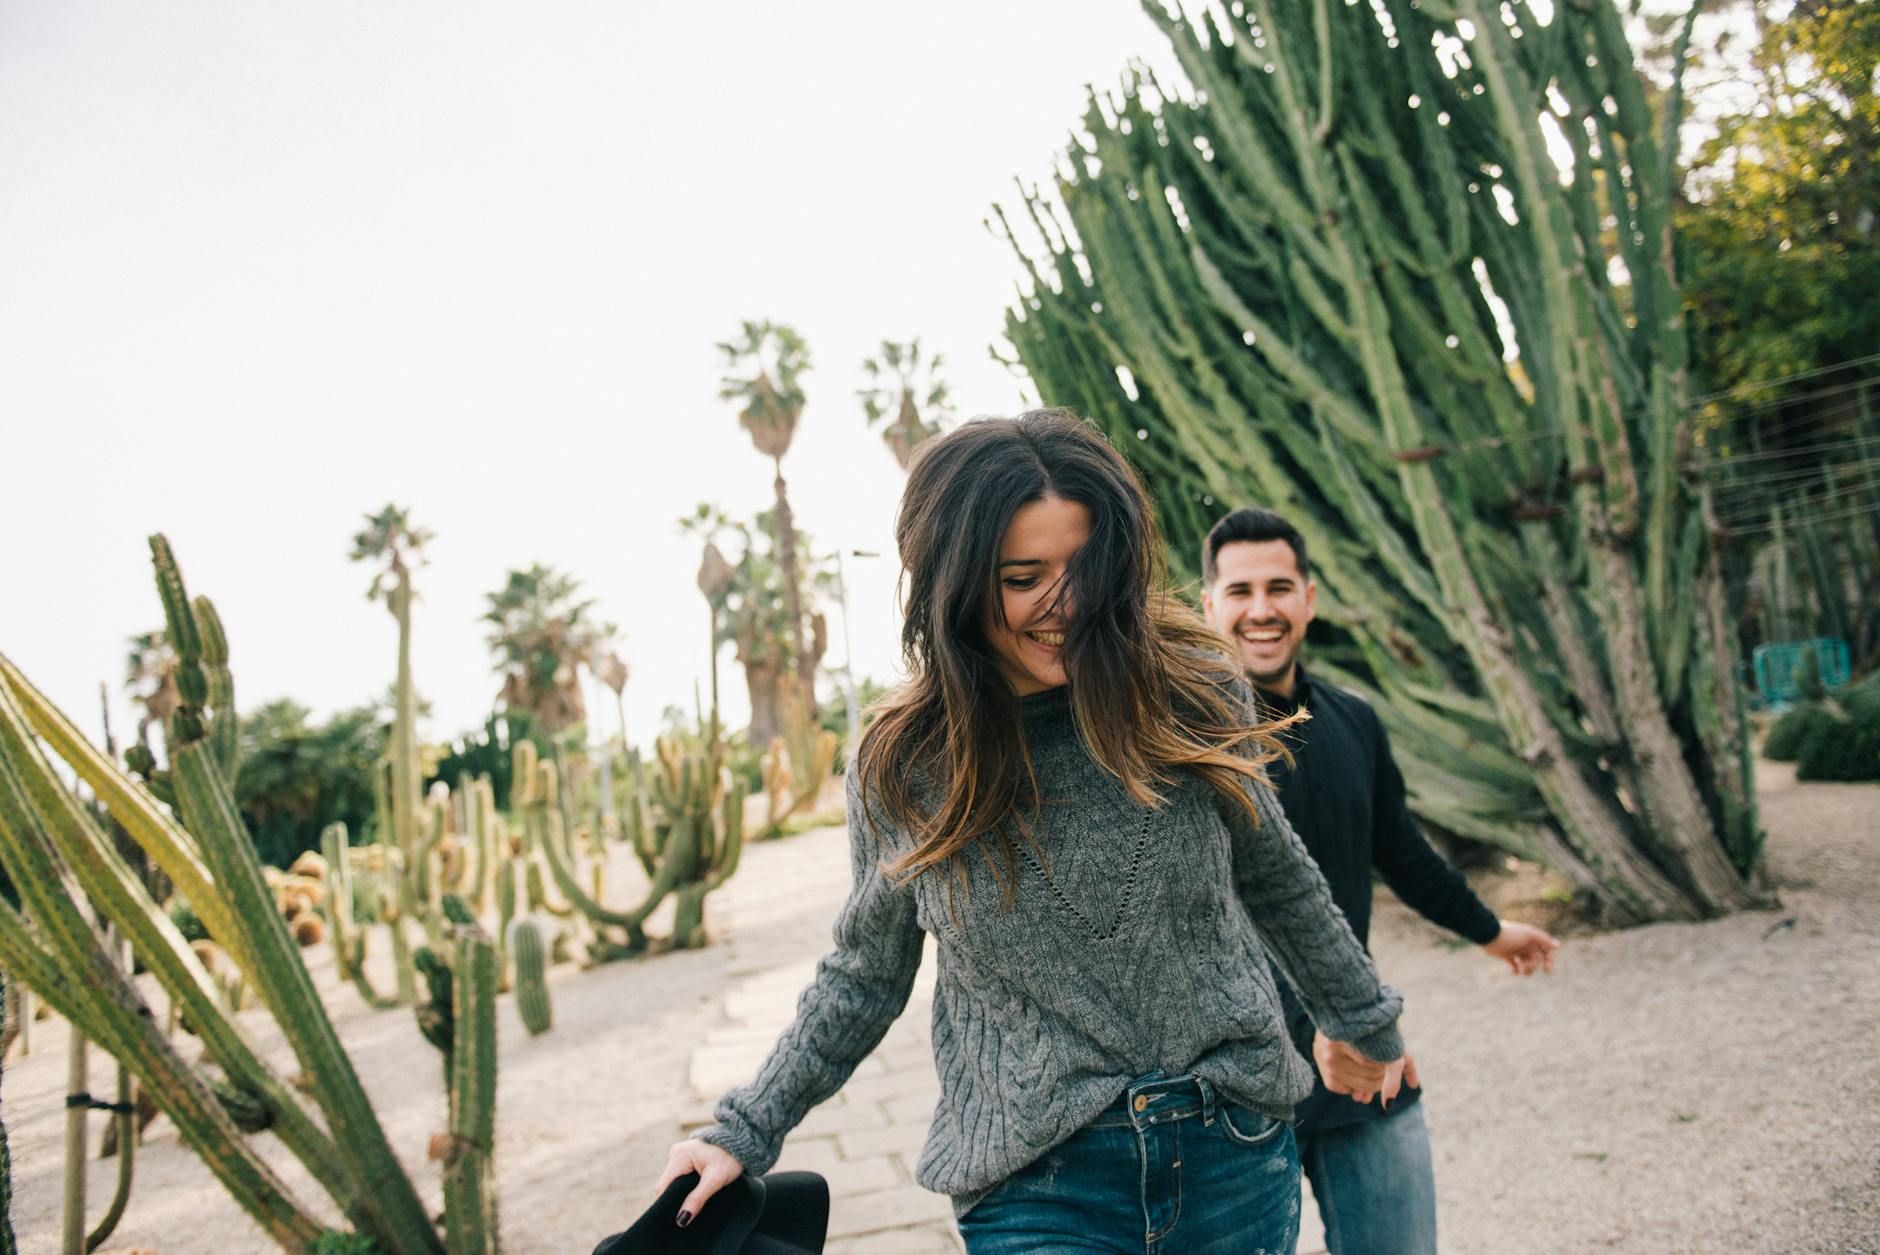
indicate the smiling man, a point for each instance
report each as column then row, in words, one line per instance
column 1362, row 1139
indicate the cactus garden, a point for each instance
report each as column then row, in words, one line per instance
column 432, row 881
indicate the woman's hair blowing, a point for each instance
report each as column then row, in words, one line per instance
column 1149, row 681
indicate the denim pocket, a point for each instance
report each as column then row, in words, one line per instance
column 1246, row 1127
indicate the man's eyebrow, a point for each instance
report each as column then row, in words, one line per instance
column 1021, row 562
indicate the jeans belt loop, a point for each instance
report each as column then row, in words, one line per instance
column 1207, row 1101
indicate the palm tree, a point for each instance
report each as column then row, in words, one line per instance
column 716, row 576
column 390, row 538
column 749, row 609
column 908, row 393
column 150, row 678
column 764, row 367
column 612, row 670
column 542, row 634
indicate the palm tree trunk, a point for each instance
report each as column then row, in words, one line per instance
column 713, row 607
column 406, row 787
column 786, row 551
column 763, row 678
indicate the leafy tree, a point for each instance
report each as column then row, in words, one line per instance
column 751, row 609
column 542, row 634
column 764, row 368
column 150, row 679
column 485, row 752
column 1780, row 221
column 390, row 538
column 835, row 716
column 1779, row 244
column 907, row 395
column 296, row 779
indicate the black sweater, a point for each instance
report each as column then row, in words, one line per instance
column 1345, row 798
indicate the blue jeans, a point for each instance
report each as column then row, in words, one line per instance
column 1169, row 1169
column 1374, row 1185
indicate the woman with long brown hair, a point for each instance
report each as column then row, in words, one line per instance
column 1067, row 796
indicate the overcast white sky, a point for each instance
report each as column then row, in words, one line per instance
column 265, row 267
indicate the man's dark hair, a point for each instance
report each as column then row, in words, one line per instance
column 1249, row 523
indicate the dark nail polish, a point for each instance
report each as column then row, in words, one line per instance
column 685, row 1218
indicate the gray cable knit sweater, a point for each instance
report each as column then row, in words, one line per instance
column 1139, row 942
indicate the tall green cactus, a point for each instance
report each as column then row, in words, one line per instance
column 347, row 935
column 8, row 1244
column 470, row 1216
column 531, row 959
column 459, row 1018
column 56, row 856
column 59, row 854
column 1336, row 273
column 697, row 831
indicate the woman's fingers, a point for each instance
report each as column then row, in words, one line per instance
column 678, row 1163
column 716, row 1168
column 1393, row 1082
column 712, row 1177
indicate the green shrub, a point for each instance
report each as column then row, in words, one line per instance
column 184, row 916
column 337, row 1242
column 1844, row 743
column 1784, row 742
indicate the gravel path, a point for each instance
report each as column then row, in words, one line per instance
column 1679, row 1088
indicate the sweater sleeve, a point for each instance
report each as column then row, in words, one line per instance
column 860, row 987
column 1402, row 855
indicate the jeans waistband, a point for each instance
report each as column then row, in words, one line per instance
column 1157, row 1099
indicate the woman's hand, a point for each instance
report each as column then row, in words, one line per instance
column 1346, row 1071
column 716, row 1169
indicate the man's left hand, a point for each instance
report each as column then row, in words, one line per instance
column 1524, row 948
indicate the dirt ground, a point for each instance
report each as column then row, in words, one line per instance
column 1679, row 1088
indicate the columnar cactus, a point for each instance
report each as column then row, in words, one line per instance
column 531, row 984
column 696, row 836
column 1337, row 273
column 59, row 855
column 479, row 803
column 505, row 913
column 470, row 1216
column 8, row 1245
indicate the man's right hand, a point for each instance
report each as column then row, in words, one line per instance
column 1346, row 1070
column 716, row 1169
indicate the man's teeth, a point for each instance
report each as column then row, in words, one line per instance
column 1263, row 635
column 1053, row 639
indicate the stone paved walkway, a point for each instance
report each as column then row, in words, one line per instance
column 775, row 917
